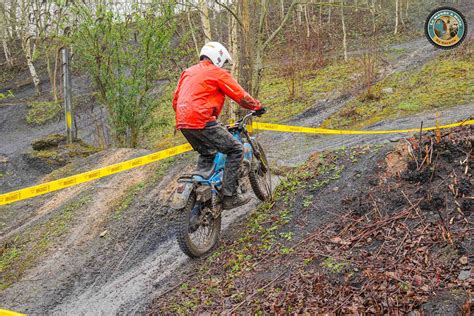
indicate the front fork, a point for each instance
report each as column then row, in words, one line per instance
column 256, row 151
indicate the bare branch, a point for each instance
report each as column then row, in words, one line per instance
column 230, row 10
column 283, row 22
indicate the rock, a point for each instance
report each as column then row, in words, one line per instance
column 3, row 159
column 335, row 189
column 50, row 141
column 388, row 90
column 464, row 275
column 102, row 234
column 463, row 260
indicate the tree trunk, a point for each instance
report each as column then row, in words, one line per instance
column 307, row 20
column 234, row 45
column 206, row 25
column 6, row 50
column 401, row 13
column 320, row 15
column 299, row 10
column 406, row 10
column 344, row 33
column 191, row 28
column 245, row 65
column 217, row 22
column 230, row 109
column 396, row 17
column 372, row 10
column 13, row 18
column 29, row 61
column 55, row 74
column 329, row 13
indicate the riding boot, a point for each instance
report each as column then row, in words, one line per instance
column 234, row 201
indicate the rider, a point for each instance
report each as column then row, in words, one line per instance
column 198, row 101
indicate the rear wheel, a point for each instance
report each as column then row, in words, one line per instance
column 259, row 175
column 197, row 230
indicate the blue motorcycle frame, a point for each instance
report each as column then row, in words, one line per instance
column 214, row 182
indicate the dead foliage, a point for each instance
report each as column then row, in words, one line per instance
column 392, row 249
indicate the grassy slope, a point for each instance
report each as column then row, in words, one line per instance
column 313, row 85
column 444, row 81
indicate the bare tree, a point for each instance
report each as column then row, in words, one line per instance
column 372, row 11
column 406, row 9
column 191, row 27
column 344, row 32
column 396, row 16
column 253, row 41
column 206, row 24
column 6, row 50
column 25, row 34
column 401, row 13
column 329, row 13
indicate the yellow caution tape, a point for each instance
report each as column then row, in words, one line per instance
column 47, row 187
column 55, row 185
column 317, row 130
column 4, row 312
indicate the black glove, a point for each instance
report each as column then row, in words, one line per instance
column 260, row 112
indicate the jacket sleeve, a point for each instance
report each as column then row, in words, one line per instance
column 233, row 90
column 176, row 92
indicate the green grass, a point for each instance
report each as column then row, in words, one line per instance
column 311, row 86
column 127, row 199
column 8, row 94
column 22, row 251
column 334, row 266
column 133, row 191
column 40, row 113
column 445, row 81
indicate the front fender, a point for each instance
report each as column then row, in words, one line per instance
column 181, row 195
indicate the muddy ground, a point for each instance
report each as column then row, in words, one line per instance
column 368, row 229
column 120, row 252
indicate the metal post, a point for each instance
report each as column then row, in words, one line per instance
column 67, row 94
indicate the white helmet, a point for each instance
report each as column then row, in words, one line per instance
column 216, row 52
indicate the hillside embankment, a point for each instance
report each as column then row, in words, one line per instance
column 108, row 247
column 367, row 229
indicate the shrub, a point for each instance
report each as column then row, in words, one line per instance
column 40, row 113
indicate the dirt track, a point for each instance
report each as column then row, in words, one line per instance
column 142, row 260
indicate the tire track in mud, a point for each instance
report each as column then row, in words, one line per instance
column 130, row 289
column 129, row 292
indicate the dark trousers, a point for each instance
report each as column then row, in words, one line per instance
column 210, row 140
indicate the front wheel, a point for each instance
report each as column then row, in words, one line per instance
column 259, row 175
column 197, row 231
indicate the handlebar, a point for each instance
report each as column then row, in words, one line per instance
column 243, row 121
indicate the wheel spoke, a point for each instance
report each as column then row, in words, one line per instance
column 202, row 236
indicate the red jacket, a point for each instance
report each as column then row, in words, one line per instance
column 200, row 94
